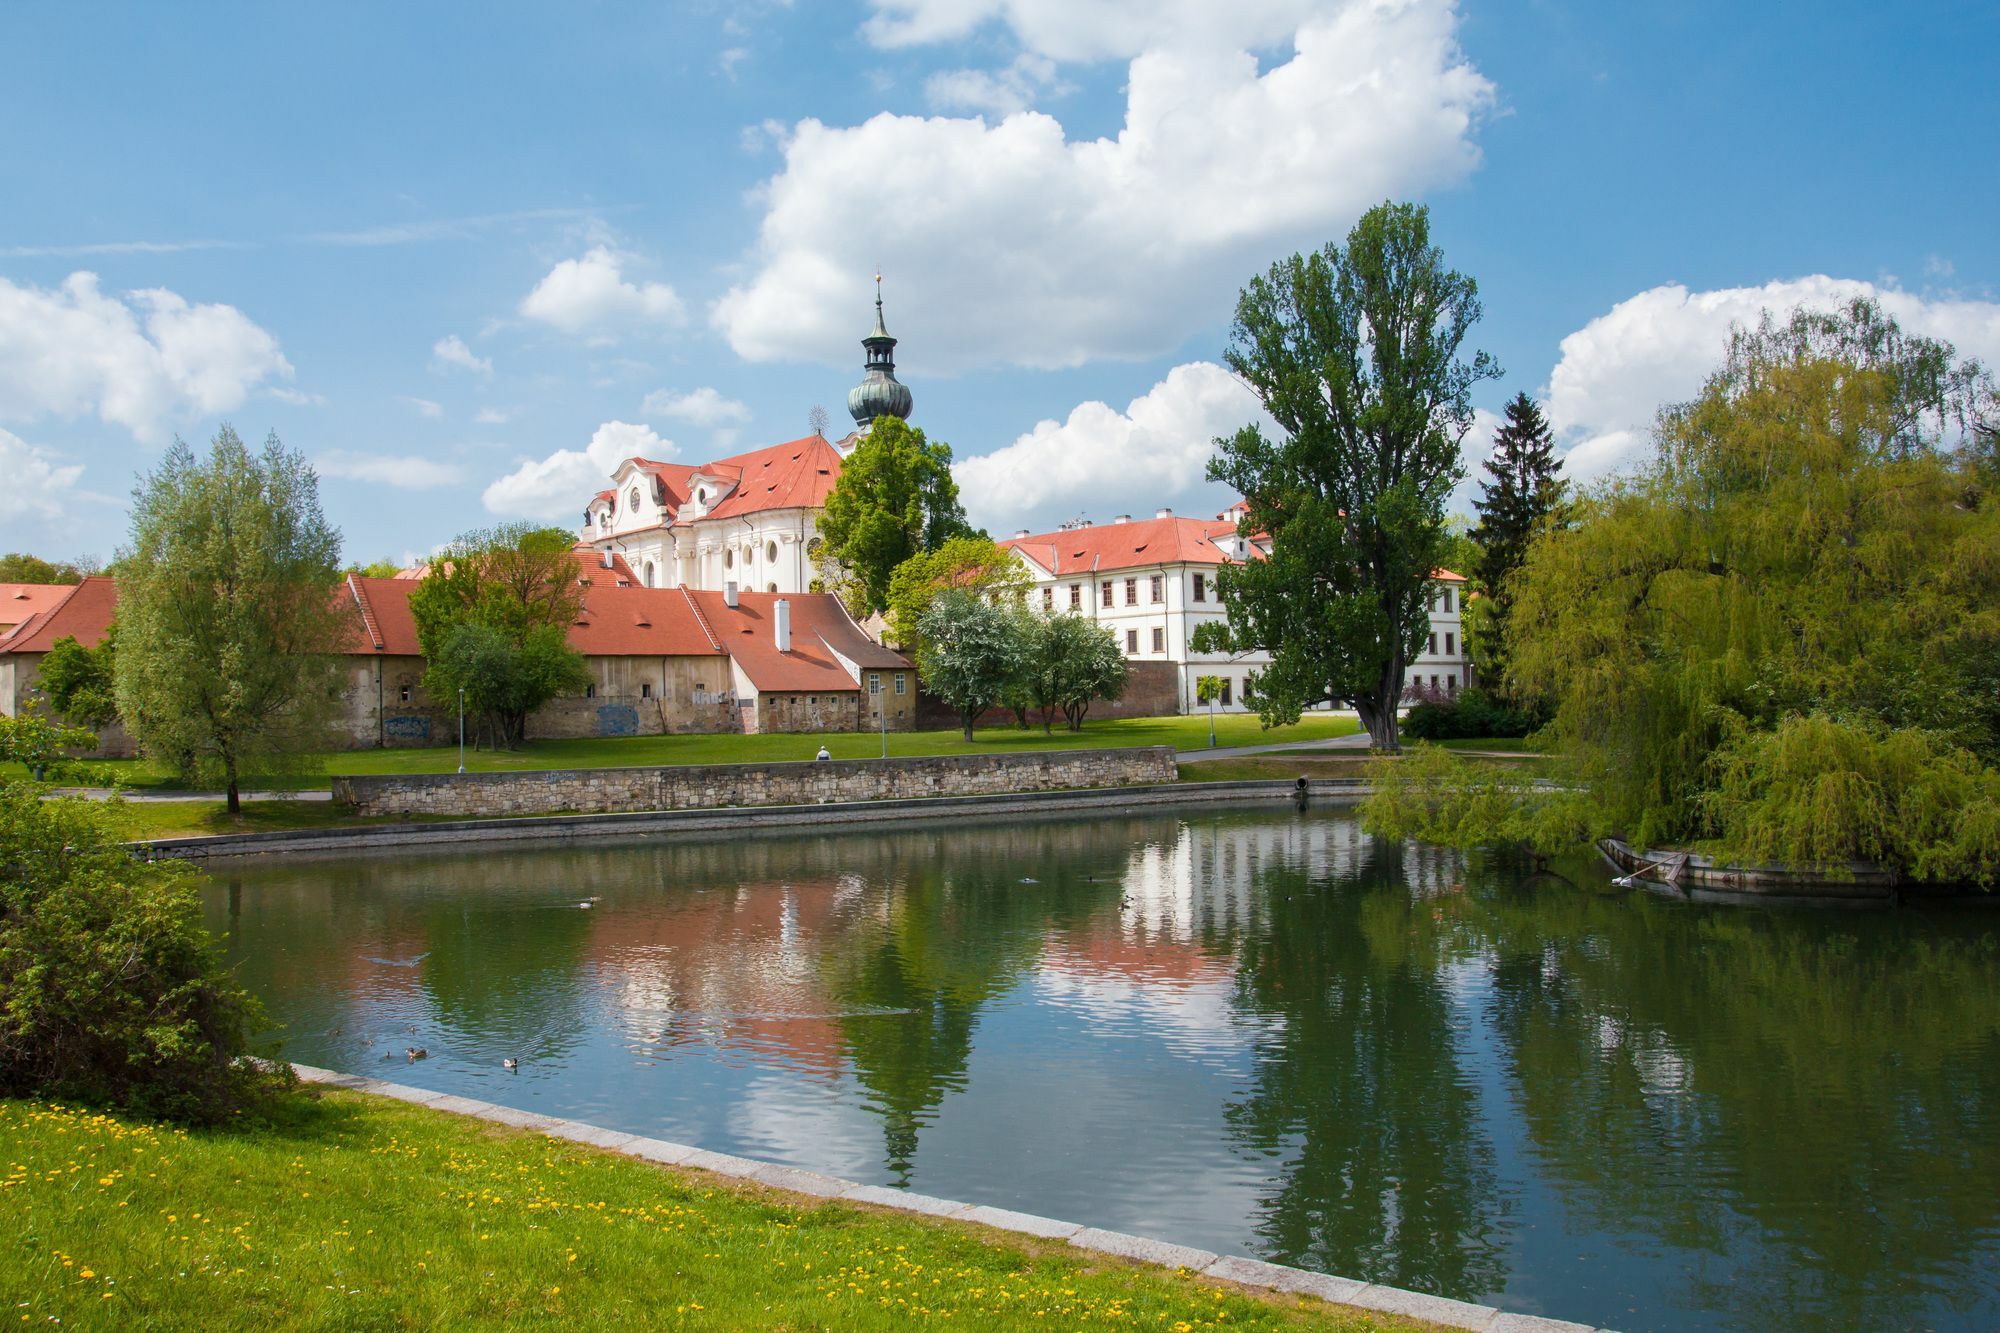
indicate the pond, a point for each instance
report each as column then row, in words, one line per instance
column 1260, row 1033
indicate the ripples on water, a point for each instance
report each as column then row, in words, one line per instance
column 1260, row 1033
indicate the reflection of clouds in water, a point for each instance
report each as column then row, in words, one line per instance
column 813, row 1125
column 1204, row 880
column 1194, row 1018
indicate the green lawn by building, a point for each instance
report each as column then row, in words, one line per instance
column 357, row 1212
column 1181, row 732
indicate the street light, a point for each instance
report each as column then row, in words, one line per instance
column 461, row 729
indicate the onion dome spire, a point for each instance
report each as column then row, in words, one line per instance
column 879, row 394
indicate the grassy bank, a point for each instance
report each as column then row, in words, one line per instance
column 1187, row 733
column 361, row 1212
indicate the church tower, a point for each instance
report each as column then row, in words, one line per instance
column 879, row 394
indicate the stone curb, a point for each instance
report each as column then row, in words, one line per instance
column 1203, row 1263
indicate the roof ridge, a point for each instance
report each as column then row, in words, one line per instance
column 699, row 618
column 368, row 622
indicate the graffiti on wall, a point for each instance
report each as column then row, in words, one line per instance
column 407, row 727
column 704, row 697
column 617, row 720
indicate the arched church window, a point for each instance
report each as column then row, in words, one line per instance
column 770, row 550
column 772, row 588
column 649, row 573
column 729, row 557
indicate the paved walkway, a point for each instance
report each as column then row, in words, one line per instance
column 1358, row 741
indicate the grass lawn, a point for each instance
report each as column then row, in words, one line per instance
column 137, row 820
column 359, row 1212
column 1181, row 732
column 1506, row 744
column 1291, row 764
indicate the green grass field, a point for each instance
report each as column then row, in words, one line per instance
column 1180, row 732
column 358, row 1212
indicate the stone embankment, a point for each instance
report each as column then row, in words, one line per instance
column 1246, row 1272
column 722, row 786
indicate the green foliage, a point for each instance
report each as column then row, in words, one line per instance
column 1354, row 352
column 895, row 499
column 493, row 617
column 975, row 563
column 1819, row 792
column 20, row 567
column 970, row 651
column 110, row 990
column 1431, row 795
column 1525, row 492
column 1806, row 545
column 1068, row 662
column 1207, row 689
column 228, row 614
column 80, row 682
column 1471, row 714
column 30, row 739
column 504, row 680
column 376, row 569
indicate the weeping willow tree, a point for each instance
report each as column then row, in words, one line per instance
column 1777, row 641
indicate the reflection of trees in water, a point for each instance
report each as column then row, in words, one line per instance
column 1359, row 1091
column 1812, row 1098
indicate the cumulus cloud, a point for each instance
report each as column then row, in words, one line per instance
column 703, row 407
column 1658, row 346
column 557, row 488
column 591, row 296
column 1099, row 30
column 995, row 92
column 451, row 353
column 398, row 470
column 1019, row 246
column 1154, row 452
column 39, row 486
column 142, row 361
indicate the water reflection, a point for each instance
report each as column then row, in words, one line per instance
column 1261, row 1033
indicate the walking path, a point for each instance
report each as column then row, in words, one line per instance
column 1357, row 741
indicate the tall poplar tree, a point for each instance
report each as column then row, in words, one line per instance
column 1354, row 352
column 1524, row 489
column 228, row 615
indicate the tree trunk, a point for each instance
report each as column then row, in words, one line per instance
column 1379, row 721
column 235, row 806
column 969, row 715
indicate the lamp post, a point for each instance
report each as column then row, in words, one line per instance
column 461, row 729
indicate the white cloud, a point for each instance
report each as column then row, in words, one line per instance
column 557, row 488
column 424, row 406
column 492, row 416
column 143, row 361
column 1098, row 30
column 703, row 407
column 729, row 59
column 1657, row 347
column 400, row 471
column 995, row 92
column 38, row 486
column 1010, row 244
column 297, row 397
column 1154, row 452
column 591, row 295
column 450, row 351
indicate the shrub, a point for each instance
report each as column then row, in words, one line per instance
column 1471, row 714
column 111, row 992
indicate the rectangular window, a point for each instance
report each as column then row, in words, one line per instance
column 1131, row 592
column 1132, row 643
column 1048, row 599
column 1201, row 587
column 590, row 691
column 1449, row 640
column 1076, row 596
column 1106, row 598
column 1445, row 598
column 1158, row 589
column 1451, row 682
column 902, row 685
column 1227, row 682
column 1434, row 643
column 874, row 682
column 404, row 694
column 1434, row 682
column 1159, row 641
column 645, row 689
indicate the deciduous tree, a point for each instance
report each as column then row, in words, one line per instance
column 895, row 498
column 1069, row 662
column 80, row 682
column 228, row 618
column 971, row 650
column 1354, row 352
column 20, row 567
column 975, row 563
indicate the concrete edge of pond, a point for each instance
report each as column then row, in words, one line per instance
column 1203, row 1263
column 729, row 819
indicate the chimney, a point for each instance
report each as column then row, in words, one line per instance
column 781, row 624
column 729, row 593
column 1122, row 518
column 607, row 557
column 1164, row 513
column 1021, row 535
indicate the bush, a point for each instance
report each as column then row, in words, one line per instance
column 111, row 992
column 1471, row 714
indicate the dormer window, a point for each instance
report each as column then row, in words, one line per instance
column 635, row 499
column 701, row 495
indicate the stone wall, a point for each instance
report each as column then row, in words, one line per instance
column 714, row 786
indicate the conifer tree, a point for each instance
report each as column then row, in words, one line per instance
column 1526, row 488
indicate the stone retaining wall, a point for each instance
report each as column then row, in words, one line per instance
column 717, row 786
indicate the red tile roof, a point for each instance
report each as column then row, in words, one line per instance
column 1137, row 545
column 83, row 612
column 822, row 634
column 616, row 621
column 19, row 601
column 795, row 475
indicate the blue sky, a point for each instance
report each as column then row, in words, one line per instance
column 462, row 255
